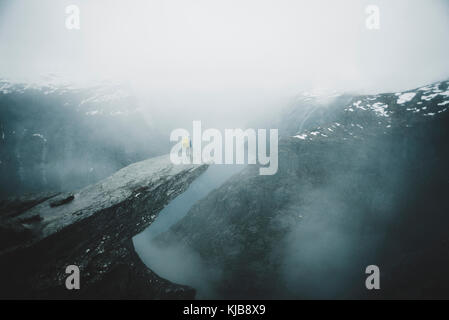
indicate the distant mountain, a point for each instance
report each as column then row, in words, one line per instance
column 56, row 137
column 362, row 180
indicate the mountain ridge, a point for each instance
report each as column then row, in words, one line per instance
column 361, row 174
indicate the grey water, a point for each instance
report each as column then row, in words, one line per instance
column 178, row 263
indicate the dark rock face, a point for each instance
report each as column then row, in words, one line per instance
column 61, row 138
column 369, row 186
column 93, row 231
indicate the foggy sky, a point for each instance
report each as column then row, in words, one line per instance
column 219, row 48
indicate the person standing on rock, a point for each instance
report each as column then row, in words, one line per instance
column 190, row 150
column 187, row 146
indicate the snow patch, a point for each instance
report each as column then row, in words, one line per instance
column 379, row 109
column 39, row 136
column 405, row 97
column 301, row 136
column 429, row 97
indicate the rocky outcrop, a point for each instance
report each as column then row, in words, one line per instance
column 92, row 229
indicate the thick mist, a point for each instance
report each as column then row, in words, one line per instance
column 227, row 60
column 177, row 261
column 229, row 64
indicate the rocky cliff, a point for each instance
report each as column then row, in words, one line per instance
column 91, row 228
column 63, row 138
column 362, row 180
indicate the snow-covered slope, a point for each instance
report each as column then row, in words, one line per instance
column 382, row 111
